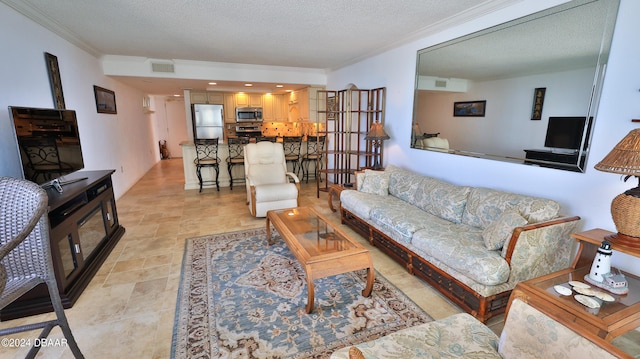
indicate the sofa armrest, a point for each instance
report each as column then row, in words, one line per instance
column 522, row 336
column 541, row 248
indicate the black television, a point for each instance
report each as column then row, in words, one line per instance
column 566, row 132
column 48, row 141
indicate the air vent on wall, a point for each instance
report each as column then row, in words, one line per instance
column 441, row 83
column 161, row 67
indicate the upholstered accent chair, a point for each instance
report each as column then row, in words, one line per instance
column 267, row 180
column 25, row 256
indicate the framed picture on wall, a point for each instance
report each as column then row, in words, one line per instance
column 105, row 100
column 469, row 108
column 54, row 80
column 538, row 102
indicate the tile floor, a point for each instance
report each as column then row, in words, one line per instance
column 127, row 311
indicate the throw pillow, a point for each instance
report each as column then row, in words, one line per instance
column 499, row 232
column 375, row 182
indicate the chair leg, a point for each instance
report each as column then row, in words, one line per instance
column 229, row 167
column 217, row 173
column 62, row 319
column 199, row 174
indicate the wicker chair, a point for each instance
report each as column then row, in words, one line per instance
column 25, row 255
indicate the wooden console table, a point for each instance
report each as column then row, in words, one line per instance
column 84, row 229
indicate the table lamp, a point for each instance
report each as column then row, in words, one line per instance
column 624, row 159
column 377, row 135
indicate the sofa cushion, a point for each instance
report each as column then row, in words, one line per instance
column 361, row 203
column 485, row 205
column 461, row 247
column 457, row 336
column 403, row 184
column 498, row 232
column 442, row 199
column 400, row 220
column 375, row 182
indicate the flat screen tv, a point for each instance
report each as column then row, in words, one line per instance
column 48, row 141
column 566, row 132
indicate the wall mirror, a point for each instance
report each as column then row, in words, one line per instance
column 525, row 91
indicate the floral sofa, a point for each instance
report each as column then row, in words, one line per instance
column 472, row 244
column 527, row 333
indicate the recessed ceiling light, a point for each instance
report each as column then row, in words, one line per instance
column 279, row 86
column 248, row 85
column 213, row 83
column 177, row 95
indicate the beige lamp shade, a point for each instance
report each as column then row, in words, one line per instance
column 624, row 159
column 376, row 132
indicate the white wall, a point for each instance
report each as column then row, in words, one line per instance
column 586, row 194
column 121, row 142
column 507, row 128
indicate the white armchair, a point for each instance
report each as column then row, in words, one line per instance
column 267, row 184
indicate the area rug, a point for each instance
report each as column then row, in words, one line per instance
column 240, row 298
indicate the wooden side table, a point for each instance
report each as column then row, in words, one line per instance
column 609, row 321
column 612, row 319
column 591, row 240
column 334, row 191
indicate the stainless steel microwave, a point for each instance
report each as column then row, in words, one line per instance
column 248, row 114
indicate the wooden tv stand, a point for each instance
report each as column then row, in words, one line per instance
column 84, row 229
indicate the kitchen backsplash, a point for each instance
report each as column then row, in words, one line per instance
column 282, row 129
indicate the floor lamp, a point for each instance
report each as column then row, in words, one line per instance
column 376, row 134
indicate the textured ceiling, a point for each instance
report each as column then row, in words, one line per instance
column 315, row 34
column 299, row 33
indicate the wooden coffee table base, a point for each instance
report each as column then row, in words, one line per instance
column 320, row 265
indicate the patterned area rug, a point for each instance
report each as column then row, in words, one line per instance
column 239, row 298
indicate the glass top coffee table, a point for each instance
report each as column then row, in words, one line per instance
column 321, row 249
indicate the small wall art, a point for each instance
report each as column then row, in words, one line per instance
column 105, row 100
column 54, row 80
column 538, row 102
column 469, row 108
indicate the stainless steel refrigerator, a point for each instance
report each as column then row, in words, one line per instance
column 208, row 121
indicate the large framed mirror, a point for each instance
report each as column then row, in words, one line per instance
column 525, row 91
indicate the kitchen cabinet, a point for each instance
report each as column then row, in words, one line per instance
column 198, row 97
column 229, row 108
column 242, row 100
column 255, row 100
column 215, row 98
column 303, row 104
column 280, row 108
column 268, row 113
column 84, row 229
column 275, row 108
column 207, row 97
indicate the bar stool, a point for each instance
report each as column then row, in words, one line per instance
column 315, row 146
column 207, row 156
column 236, row 157
column 291, row 145
column 273, row 139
